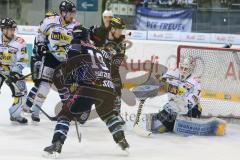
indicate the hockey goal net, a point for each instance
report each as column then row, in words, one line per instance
column 219, row 73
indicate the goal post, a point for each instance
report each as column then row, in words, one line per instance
column 219, row 72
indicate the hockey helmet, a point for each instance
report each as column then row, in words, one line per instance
column 67, row 6
column 186, row 67
column 80, row 32
column 117, row 22
column 8, row 23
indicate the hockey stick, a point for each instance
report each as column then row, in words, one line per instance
column 79, row 135
column 47, row 115
column 22, row 78
column 10, row 81
column 136, row 128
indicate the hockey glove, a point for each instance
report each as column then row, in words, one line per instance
column 14, row 77
column 41, row 48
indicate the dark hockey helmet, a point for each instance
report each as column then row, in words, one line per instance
column 8, row 23
column 50, row 13
column 80, row 32
column 67, row 6
column 117, row 22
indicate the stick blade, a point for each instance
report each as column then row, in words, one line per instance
column 141, row 132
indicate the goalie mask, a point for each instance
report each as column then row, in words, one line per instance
column 186, row 67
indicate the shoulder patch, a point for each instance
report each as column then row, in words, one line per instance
column 20, row 40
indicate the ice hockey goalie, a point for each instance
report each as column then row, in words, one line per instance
column 182, row 112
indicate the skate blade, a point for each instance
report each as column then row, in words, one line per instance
column 55, row 155
column 141, row 132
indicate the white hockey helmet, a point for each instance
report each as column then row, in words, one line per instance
column 107, row 13
column 186, row 67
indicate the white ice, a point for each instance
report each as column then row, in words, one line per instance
column 26, row 142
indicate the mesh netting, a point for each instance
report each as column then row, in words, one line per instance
column 218, row 70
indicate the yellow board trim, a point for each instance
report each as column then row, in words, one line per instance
column 204, row 93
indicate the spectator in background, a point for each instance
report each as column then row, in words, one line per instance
column 145, row 3
column 107, row 16
column 102, row 31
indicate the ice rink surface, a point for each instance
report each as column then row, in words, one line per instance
column 26, row 142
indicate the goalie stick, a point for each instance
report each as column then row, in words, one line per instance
column 136, row 128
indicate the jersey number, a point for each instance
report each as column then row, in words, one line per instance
column 99, row 59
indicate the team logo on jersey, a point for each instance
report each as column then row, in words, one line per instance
column 5, row 55
column 60, row 36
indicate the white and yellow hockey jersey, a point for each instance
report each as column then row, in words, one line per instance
column 57, row 37
column 13, row 56
column 188, row 90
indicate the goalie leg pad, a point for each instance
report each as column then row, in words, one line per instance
column 167, row 116
column 153, row 124
column 209, row 127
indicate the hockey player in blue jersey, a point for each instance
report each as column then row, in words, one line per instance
column 85, row 64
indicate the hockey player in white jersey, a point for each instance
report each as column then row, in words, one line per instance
column 13, row 59
column 36, row 61
column 183, row 90
column 54, row 36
